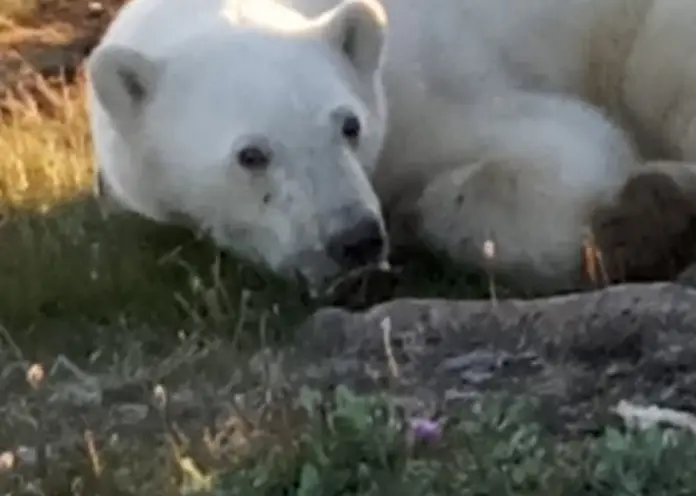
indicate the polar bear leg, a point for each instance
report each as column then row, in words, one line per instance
column 537, row 176
column 649, row 234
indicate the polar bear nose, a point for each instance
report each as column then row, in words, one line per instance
column 359, row 245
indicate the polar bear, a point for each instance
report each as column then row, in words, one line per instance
column 313, row 136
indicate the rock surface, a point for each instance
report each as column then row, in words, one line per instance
column 579, row 354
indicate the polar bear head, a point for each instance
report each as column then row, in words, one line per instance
column 263, row 131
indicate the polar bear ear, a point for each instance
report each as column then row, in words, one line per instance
column 357, row 29
column 123, row 79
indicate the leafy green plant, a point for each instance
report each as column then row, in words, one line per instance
column 347, row 445
column 655, row 462
column 353, row 445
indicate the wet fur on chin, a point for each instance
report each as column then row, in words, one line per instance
column 650, row 234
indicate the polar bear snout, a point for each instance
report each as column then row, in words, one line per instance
column 360, row 244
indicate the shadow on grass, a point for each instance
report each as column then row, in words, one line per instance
column 71, row 271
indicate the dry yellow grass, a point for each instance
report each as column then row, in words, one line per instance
column 45, row 149
column 17, row 9
column 13, row 34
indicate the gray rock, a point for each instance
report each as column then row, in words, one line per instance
column 578, row 354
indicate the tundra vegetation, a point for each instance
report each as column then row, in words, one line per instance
column 138, row 359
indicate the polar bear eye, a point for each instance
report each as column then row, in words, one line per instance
column 351, row 128
column 253, row 157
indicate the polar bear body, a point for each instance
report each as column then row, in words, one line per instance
column 480, row 120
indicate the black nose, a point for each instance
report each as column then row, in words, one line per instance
column 359, row 245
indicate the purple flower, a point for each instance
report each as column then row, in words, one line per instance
column 426, row 430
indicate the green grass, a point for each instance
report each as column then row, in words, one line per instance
column 128, row 318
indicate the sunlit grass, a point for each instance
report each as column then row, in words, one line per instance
column 46, row 152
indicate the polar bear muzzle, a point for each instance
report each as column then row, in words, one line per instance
column 362, row 244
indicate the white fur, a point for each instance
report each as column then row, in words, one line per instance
column 484, row 119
